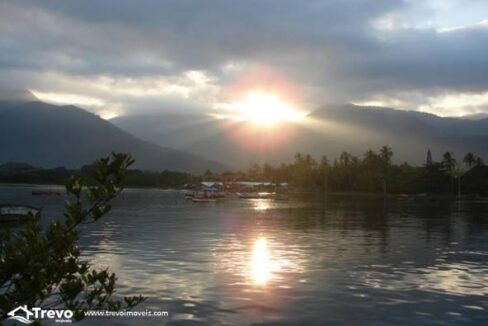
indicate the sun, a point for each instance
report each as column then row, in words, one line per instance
column 264, row 109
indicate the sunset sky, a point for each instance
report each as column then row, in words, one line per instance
column 129, row 57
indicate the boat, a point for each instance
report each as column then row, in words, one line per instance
column 255, row 195
column 17, row 213
column 217, row 194
column 247, row 195
column 204, row 200
column 204, row 197
column 46, row 192
column 189, row 194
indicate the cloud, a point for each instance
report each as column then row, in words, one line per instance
column 188, row 52
column 458, row 104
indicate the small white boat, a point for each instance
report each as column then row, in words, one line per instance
column 17, row 213
column 189, row 194
column 204, row 197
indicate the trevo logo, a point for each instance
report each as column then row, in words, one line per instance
column 28, row 316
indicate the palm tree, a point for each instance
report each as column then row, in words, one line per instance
column 324, row 170
column 469, row 159
column 370, row 159
column 429, row 158
column 345, row 158
column 478, row 161
column 385, row 154
column 449, row 163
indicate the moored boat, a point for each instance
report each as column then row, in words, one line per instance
column 204, row 200
column 205, row 197
column 189, row 194
column 46, row 192
column 17, row 213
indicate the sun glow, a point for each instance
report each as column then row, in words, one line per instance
column 263, row 109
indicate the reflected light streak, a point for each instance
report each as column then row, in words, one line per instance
column 261, row 264
column 262, row 204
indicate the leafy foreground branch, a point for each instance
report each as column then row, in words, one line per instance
column 42, row 268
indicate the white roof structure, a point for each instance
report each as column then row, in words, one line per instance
column 260, row 184
column 250, row 184
column 210, row 184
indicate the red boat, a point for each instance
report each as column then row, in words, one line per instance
column 46, row 193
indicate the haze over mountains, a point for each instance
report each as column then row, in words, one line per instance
column 46, row 135
column 329, row 130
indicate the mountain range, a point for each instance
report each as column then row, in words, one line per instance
column 46, row 135
column 326, row 131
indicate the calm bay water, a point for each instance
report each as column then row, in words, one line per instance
column 347, row 260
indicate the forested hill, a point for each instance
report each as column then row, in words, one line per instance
column 46, row 135
column 328, row 130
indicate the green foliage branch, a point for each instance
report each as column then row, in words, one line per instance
column 44, row 267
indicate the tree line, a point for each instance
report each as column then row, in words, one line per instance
column 373, row 172
column 23, row 173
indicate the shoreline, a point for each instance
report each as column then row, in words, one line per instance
column 294, row 193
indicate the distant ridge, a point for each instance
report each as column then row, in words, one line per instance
column 17, row 96
column 17, row 166
column 49, row 136
column 330, row 130
column 475, row 116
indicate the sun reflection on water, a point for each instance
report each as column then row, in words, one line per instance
column 263, row 264
column 262, row 204
column 260, row 263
